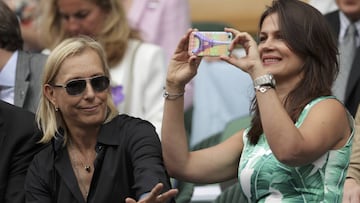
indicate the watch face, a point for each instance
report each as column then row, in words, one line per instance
column 267, row 79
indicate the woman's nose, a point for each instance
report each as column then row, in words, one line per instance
column 89, row 91
column 267, row 44
column 72, row 25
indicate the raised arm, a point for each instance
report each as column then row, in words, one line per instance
column 326, row 127
column 205, row 166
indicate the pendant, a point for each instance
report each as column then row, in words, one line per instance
column 87, row 168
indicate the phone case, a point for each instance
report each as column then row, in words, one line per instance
column 209, row 43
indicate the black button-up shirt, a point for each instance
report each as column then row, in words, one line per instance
column 128, row 164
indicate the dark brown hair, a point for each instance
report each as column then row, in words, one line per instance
column 10, row 33
column 307, row 34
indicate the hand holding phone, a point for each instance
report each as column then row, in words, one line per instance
column 210, row 43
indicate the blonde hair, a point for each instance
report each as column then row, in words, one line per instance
column 47, row 118
column 113, row 37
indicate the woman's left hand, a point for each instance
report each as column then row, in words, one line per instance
column 251, row 63
column 182, row 67
column 155, row 195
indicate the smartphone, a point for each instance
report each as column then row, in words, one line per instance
column 210, row 43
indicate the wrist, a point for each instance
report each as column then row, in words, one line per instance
column 264, row 82
column 256, row 70
column 258, row 73
column 172, row 95
column 174, row 87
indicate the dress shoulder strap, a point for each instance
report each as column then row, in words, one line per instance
column 307, row 108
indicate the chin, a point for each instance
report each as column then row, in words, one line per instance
column 94, row 119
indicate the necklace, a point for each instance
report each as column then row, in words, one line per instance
column 75, row 156
column 87, row 168
column 83, row 172
column 83, row 182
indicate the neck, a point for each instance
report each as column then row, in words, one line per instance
column 4, row 57
column 82, row 143
column 83, row 140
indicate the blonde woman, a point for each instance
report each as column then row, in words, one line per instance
column 93, row 153
column 137, row 68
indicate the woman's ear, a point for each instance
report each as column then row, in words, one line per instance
column 50, row 94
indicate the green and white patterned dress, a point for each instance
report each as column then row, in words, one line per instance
column 264, row 179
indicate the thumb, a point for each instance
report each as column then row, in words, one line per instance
column 130, row 200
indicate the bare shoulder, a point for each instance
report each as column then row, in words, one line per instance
column 330, row 109
column 328, row 119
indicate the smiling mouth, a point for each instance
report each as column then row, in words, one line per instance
column 269, row 61
column 90, row 108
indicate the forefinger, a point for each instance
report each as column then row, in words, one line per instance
column 242, row 38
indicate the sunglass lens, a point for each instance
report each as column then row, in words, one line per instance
column 100, row 83
column 76, row 87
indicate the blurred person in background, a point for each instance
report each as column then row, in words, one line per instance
column 137, row 68
column 347, row 84
column 162, row 22
column 346, row 14
column 28, row 13
column 324, row 6
column 20, row 71
column 216, row 103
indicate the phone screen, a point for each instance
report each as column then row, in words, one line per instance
column 210, row 43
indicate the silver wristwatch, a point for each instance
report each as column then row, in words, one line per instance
column 264, row 82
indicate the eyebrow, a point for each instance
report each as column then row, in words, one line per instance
column 75, row 14
column 267, row 33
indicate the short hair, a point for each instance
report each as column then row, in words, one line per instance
column 47, row 118
column 10, row 32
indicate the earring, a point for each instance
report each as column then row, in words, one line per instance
column 56, row 108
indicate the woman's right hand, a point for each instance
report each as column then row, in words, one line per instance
column 251, row 63
column 182, row 67
column 155, row 195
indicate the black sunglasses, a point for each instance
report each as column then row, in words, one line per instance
column 77, row 86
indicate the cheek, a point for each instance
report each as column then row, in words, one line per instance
column 65, row 101
column 296, row 63
column 68, row 105
column 104, row 96
column 94, row 23
column 296, row 59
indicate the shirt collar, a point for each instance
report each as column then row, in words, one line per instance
column 107, row 134
column 344, row 23
column 7, row 74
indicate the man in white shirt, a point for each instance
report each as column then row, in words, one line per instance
column 347, row 85
column 20, row 71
